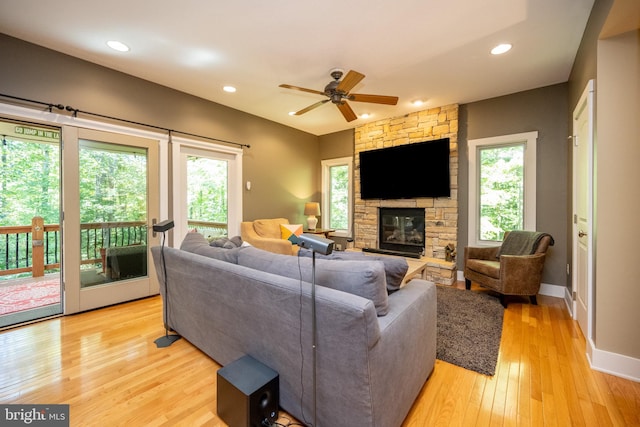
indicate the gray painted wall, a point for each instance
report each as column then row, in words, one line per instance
column 282, row 162
column 617, row 205
column 543, row 110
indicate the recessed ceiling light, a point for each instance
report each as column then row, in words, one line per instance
column 417, row 102
column 292, row 113
column 119, row 46
column 365, row 116
column 229, row 89
column 501, row 48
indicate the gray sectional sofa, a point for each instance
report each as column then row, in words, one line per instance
column 374, row 351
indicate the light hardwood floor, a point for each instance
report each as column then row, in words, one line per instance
column 105, row 365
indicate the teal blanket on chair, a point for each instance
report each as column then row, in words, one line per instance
column 521, row 242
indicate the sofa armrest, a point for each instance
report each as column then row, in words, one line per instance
column 279, row 246
column 521, row 274
column 405, row 355
column 486, row 253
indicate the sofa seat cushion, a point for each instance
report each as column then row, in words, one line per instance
column 484, row 267
column 196, row 243
column 395, row 268
column 269, row 228
column 365, row 279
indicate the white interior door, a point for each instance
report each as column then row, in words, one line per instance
column 583, row 171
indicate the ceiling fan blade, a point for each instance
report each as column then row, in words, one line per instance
column 347, row 112
column 349, row 81
column 311, row 107
column 317, row 92
column 376, row 99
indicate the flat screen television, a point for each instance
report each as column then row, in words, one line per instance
column 407, row 171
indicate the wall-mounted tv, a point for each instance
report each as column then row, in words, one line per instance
column 407, row 171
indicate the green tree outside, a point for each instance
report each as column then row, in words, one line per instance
column 501, row 191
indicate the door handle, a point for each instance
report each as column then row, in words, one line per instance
column 581, row 233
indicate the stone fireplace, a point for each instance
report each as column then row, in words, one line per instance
column 440, row 214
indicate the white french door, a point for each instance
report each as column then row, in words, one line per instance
column 207, row 189
column 111, row 197
column 30, row 245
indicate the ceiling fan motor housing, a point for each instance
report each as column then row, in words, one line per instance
column 336, row 96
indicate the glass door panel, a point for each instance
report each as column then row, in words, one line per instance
column 30, row 238
column 113, row 213
column 207, row 198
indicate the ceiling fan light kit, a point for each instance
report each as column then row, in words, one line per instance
column 337, row 91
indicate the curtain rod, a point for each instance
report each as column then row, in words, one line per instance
column 75, row 111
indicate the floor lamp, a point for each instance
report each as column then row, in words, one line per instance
column 166, row 340
column 324, row 247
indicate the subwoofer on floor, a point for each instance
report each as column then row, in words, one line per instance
column 248, row 393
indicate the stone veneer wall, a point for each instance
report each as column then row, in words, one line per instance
column 441, row 214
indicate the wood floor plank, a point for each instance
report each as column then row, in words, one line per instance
column 105, row 365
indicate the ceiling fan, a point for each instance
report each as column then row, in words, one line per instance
column 337, row 92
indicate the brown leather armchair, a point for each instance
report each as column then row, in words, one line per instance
column 514, row 268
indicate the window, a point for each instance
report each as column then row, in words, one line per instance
column 337, row 195
column 502, row 186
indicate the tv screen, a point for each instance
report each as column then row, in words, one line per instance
column 407, row 171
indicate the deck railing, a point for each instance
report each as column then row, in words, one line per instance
column 36, row 248
column 210, row 230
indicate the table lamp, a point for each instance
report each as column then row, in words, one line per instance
column 311, row 209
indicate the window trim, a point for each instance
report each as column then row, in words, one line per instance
column 529, row 139
column 326, row 176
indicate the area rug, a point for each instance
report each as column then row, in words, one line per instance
column 25, row 296
column 469, row 329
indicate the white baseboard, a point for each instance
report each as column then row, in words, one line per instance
column 550, row 290
column 570, row 303
column 613, row 363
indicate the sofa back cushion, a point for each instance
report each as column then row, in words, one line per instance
column 269, row 227
column 395, row 267
column 197, row 244
column 365, row 279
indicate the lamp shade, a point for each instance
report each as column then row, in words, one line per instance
column 312, row 208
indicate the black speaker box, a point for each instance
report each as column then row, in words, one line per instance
column 248, row 393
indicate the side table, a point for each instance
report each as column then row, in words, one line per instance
column 323, row 231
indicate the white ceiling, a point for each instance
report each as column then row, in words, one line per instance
column 437, row 51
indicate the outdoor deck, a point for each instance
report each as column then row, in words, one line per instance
column 30, row 258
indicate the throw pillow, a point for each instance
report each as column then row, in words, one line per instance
column 365, row 279
column 291, row 232
column 197, row 244
column 225, row 242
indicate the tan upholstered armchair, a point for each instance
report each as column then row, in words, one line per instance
column 515, row 268
column 265, row 234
